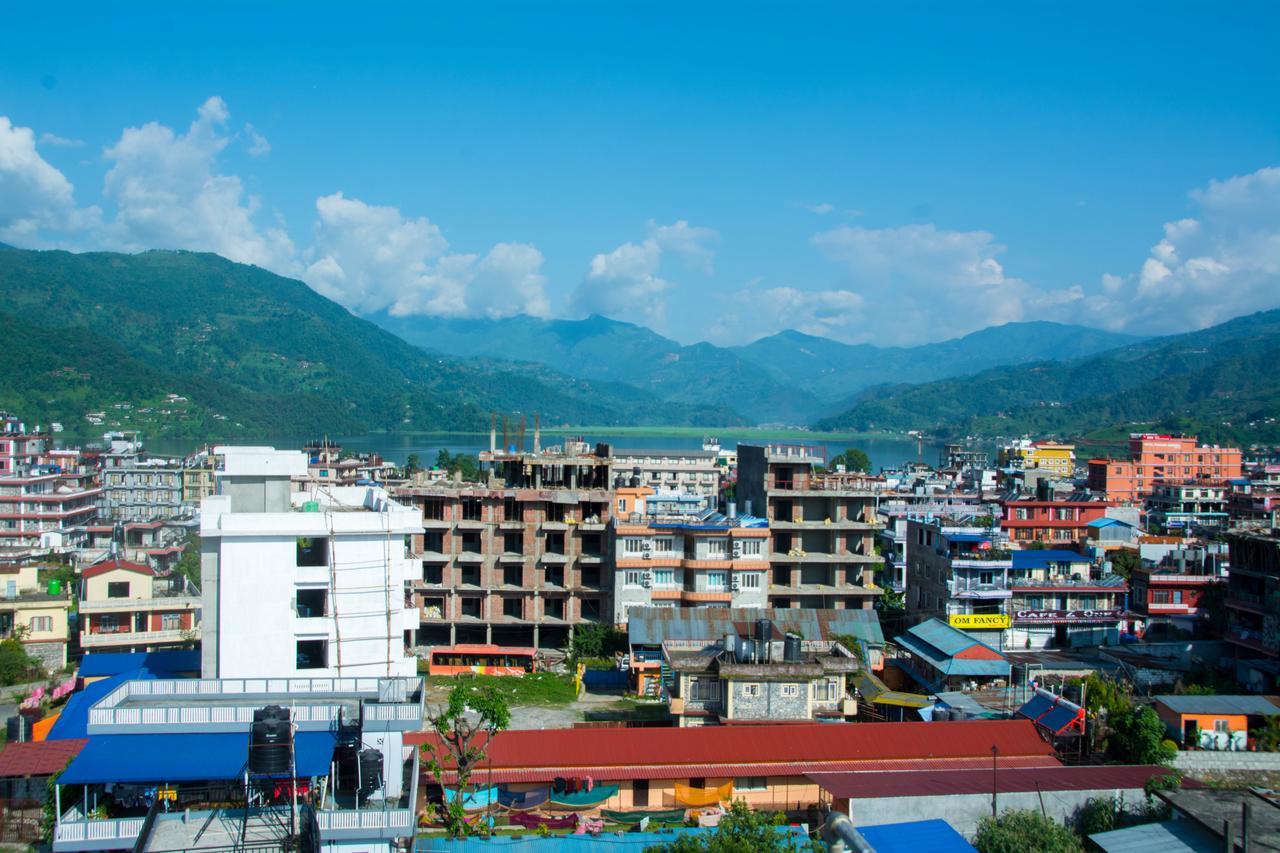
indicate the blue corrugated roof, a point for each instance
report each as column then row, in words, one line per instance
column 968, row 537
column 167, row 663
column 1222, row 704
column 935, row 836
column 185, row 757
column 1041, row 559
column 1108, row 522
column 73, row 722
column 937, row 642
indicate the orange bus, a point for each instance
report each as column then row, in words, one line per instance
column 480, row 659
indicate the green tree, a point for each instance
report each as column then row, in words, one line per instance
column 1124, row 561
column 853, row 459
column 459, row 464
column 891, row 601
column 1022, row 830
column 49, row 813
column 741, row 830
column 16, row 666
column 1138, row 737
column 413, row 464
column 464, row 727
column 593, row 640
column 189, row 563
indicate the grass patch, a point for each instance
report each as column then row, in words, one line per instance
column 536, row 688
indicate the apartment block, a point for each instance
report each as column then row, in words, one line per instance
column 1052, row 456
column 1050, row 522
column 305, row 583
column 142, row 490
column 1178, row 588
column 696, row 472
column 699, row 558
column 822, row 527
column 1191, row 507
column 1155, row 459
column 519, row 559
column 126, row 607
column 1253, row 599
column 41, row 489
column 38, row 614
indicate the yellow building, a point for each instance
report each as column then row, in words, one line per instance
column 1045, row 455
column 39, row 615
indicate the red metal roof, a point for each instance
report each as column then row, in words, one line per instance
column 38, row 758
column 724, row 771
column 979, row 780
column 111, row 565
column 606, row 752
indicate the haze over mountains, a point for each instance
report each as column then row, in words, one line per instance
column 787, row 378
column 254, row 353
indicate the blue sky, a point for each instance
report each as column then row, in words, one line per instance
column 893, row 174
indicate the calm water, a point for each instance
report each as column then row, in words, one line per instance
column 396, row 447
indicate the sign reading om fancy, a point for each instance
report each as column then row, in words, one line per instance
column 971, row 621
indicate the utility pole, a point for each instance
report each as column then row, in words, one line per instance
column 995, row 752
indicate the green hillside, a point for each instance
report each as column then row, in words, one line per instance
column 1219, row 382
column 254, row 353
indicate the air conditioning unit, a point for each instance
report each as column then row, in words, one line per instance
column 646, row 545
column 737, row 550
column 734, row 585
column 648, row 555
column 647, row 580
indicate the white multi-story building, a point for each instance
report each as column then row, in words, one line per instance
column 305, row 583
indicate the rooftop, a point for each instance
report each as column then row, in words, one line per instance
column 941, row 783
column 1209, row 808
column 1261, row 706
column 650, row 626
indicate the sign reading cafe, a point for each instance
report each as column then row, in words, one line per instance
column 1066, row 615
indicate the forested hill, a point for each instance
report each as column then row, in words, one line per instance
column 253, row 353
column 1220, row 382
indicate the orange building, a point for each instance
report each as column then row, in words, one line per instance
column 1155, row 459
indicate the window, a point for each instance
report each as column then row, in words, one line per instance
column 311, row 603
column 697, row 782
column 513, row 575
column 632, row 546
column 751, row 783
column 171, row 622
column 472, row 509
column 510, row 510
column 633, row 578
column 433, row 510
column 789, row 691
column 827, row 691
column 433, row 573
column 751, row 548
column 664, row 578
column 118, row 589
column 751, row 690
column 664, row 544
column 108, row 622
column 313, row 551
column 749, row 580
column 41, row 624
column 433, row 541
column 313, row 654
column 512, row 607
column 717, row 547
column 704, row 689
column 717, row 581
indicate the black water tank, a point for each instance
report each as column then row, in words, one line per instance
column 271, row 712
column 370, row 769
column 791, row 649
column 270, row 747
column 764, row 633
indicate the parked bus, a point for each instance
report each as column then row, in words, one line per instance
column 479, row 659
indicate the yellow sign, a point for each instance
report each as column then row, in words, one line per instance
column 975, row 621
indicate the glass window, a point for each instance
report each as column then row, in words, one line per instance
column 118, row 589
column 632, row 545
column 749, row 580
column 789, row 691
column 664, row 578
column 751, row 783
column 751, row 547
column 751, row 690
column 717, row 581
column 633, row 577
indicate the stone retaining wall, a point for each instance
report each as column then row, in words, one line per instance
column 1193, row 762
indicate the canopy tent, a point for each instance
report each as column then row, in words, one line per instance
column 185, row 757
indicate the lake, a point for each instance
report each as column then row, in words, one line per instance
column 396, row 447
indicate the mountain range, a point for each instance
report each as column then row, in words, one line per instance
column 786, row 378
column 192, row 345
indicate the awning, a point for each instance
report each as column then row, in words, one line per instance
column 185, row 757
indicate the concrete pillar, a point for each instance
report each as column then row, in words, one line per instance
column 488, row 633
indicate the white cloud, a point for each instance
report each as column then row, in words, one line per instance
column 371, row 258
column 37, row 204
column 826, row 313
column 167, row 194
column 626, row 284
column 821, row 209
column 921, row 283
column 1223, row 263
column 258, row 144
column 57, row 141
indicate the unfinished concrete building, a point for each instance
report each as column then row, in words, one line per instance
column 517, row 559
column 822, row 527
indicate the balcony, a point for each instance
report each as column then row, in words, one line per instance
column 965, row 588
column 123, row 637
column 119, row 605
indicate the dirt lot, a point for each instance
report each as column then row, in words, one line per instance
column 588, row 706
